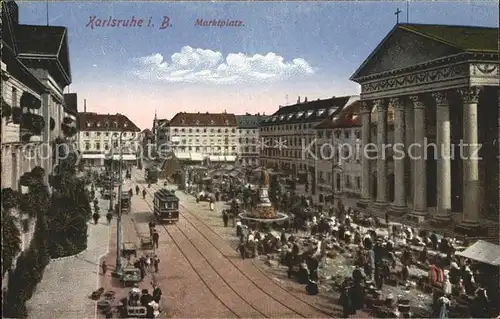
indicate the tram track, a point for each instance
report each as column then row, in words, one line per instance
column 177, row 236
column 280, row 295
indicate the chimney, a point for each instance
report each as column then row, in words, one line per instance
column 298, row 100
column 84, row 105
column 305, row 99
column 14, row 12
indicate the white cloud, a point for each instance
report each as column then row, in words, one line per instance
column 192, row 65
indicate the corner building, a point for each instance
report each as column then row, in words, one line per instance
column 289, row 137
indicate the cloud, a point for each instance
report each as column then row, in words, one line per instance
column 192, row 65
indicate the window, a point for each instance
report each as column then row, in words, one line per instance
column 190, row 130
column 87, row 146
column 106, row 146
column 197, row 122
column 98, row 146
column 98, row 133
column 14, row 97
column 115, row 124
column 88, row 124
column 358, row 182
column 212, row 122
column 233, row 131
column 98, row 124
column 87, row 134
column 226, row 122
column 348, row 181
column 182, row 121
column 125, row 124
column 346, row 133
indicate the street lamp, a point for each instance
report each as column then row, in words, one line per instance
column 118, row 268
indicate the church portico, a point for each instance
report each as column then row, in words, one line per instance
column 440, row 98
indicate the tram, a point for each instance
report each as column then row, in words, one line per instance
column 166, row 206
column 152, row 175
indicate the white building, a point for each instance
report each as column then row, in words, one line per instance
column 248, row 139
column 290, row 132
column 99, row 138
column 194, row 137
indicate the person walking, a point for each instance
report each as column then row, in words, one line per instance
column 109, row 217
column 225, row 218
column 96, row 217
column 152, row 226
column 137, row 190
column 104, row 268
column 144, row 194
column 156, row 238
column 156, row 262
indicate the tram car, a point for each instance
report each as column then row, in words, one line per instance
column 166, row 206
column 152, row 174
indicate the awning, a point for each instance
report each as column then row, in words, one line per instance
column 196, row 157
column 482, row 251
column 125, row 157
column 92, row 156
column 215, row 158
column 183, row 156
column 230, row 158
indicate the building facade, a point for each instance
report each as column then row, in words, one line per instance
column 99, row 139
column 34, row 75
column 444, row 89
column 288, row 137
column 249, row 139
column 195, row 137
column 340, row 154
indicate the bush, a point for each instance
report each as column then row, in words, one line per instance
column 11, row 241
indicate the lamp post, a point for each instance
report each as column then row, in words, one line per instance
column 118, row 268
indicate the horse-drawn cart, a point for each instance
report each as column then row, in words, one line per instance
column 130, row 276
column 129, row 248
column 146, row 241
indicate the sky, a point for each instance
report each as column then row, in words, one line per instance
column 266, row 55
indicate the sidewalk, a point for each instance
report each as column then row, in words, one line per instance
column 68, row 282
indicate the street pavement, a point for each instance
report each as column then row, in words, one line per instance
column 201, row 275
column 67, row 282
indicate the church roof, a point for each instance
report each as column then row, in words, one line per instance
column 467, row 38
column 438, row 41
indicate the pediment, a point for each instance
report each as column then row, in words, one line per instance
column 402, row 49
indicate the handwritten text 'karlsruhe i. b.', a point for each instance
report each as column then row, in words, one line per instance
column 133, row 22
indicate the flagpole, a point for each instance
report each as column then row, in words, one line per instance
column 47, row 11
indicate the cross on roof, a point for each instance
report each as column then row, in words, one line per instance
column 397, row 15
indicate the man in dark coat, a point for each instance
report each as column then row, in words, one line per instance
column 157, row 294
column 156, row 238
column 225, row 217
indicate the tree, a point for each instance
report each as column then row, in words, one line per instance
column 70, row 211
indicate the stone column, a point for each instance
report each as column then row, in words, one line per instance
column 471, row 214
column 409, row 140
column 418, row 154
column 365, row 140
column 398, row 105
column 382, row 190
column 443, row 141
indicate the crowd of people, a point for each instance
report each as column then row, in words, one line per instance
column 382, row 254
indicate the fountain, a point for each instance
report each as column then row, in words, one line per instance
column 263, row 212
